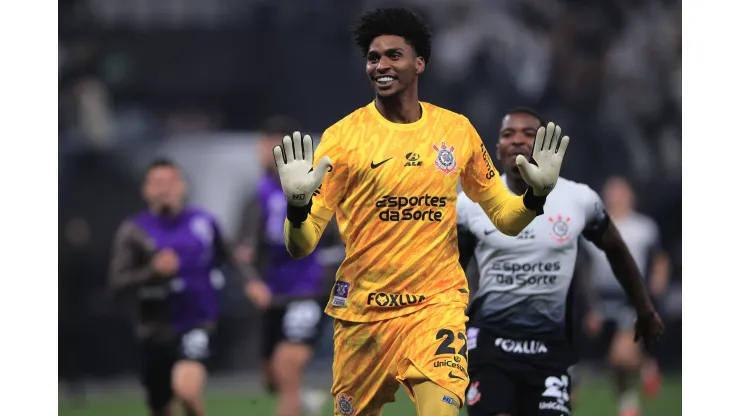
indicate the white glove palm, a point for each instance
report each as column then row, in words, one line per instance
column 543, row 176
column 294, row 160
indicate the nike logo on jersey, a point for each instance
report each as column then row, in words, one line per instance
column 454, row 376
column 375, row 165
column 487, row 232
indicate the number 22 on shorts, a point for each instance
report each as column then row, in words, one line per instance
column 448, row 338
column 446, row 347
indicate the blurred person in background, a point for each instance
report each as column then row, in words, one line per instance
column 296, row 289
column 163, row 260
column 642, row 236
column 520, row 339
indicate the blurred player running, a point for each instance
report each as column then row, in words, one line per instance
column 518, row 334
column 393, row 168
column 641, row 235
column 298, row 288
column 163, row 259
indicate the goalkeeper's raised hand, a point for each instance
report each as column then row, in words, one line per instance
column 548, row 157
column 294, row 160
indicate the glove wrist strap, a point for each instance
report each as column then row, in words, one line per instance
column 533, row 202
column 297, row 215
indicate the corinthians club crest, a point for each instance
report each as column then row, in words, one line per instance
column 445, row 160
column 344, row 404
column 473, row 395
column 560, row 230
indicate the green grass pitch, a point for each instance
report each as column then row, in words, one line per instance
column 594, row 398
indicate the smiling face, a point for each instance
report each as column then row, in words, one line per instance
column 516, row 137
column 392, row 65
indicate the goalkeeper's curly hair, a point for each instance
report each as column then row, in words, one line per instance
column 394, row 21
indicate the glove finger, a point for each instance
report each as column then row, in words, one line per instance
column 277, row 151
column 549, row 133
column 298, row 145
column 563, row 146
column 320, row 171
column 525, row 168
column 554, row 140
column 288, row 149
column 308, row 148
column 538, row 140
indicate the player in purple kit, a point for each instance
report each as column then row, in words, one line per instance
column 162, row 264
column 299, row 288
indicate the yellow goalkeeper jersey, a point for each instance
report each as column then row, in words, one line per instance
column 393, row 188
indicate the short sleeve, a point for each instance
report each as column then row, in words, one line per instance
column 479, row 177
column 331, row 191
column 595, row 212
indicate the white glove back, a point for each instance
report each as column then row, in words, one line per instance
column 543, row 176
column 294, row 160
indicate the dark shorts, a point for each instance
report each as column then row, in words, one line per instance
column 158, row 358
column 522, row 377
column 494, row 390
column 299, row 322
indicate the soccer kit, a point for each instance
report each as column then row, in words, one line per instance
column 519, row 331
column 175, row 315
column 400, row 294
column 642, row 238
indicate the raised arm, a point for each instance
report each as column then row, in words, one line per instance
column 313, row 194
column 302, row 235
column 510, row 213
column 482, row 183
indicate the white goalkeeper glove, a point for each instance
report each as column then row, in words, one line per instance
column 543, row 176
column 294, row 160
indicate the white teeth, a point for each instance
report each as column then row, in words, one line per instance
column 385, row 79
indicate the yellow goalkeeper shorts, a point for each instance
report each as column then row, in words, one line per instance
column 372, row 358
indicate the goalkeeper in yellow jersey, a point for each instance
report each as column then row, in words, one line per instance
column 389, row 171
